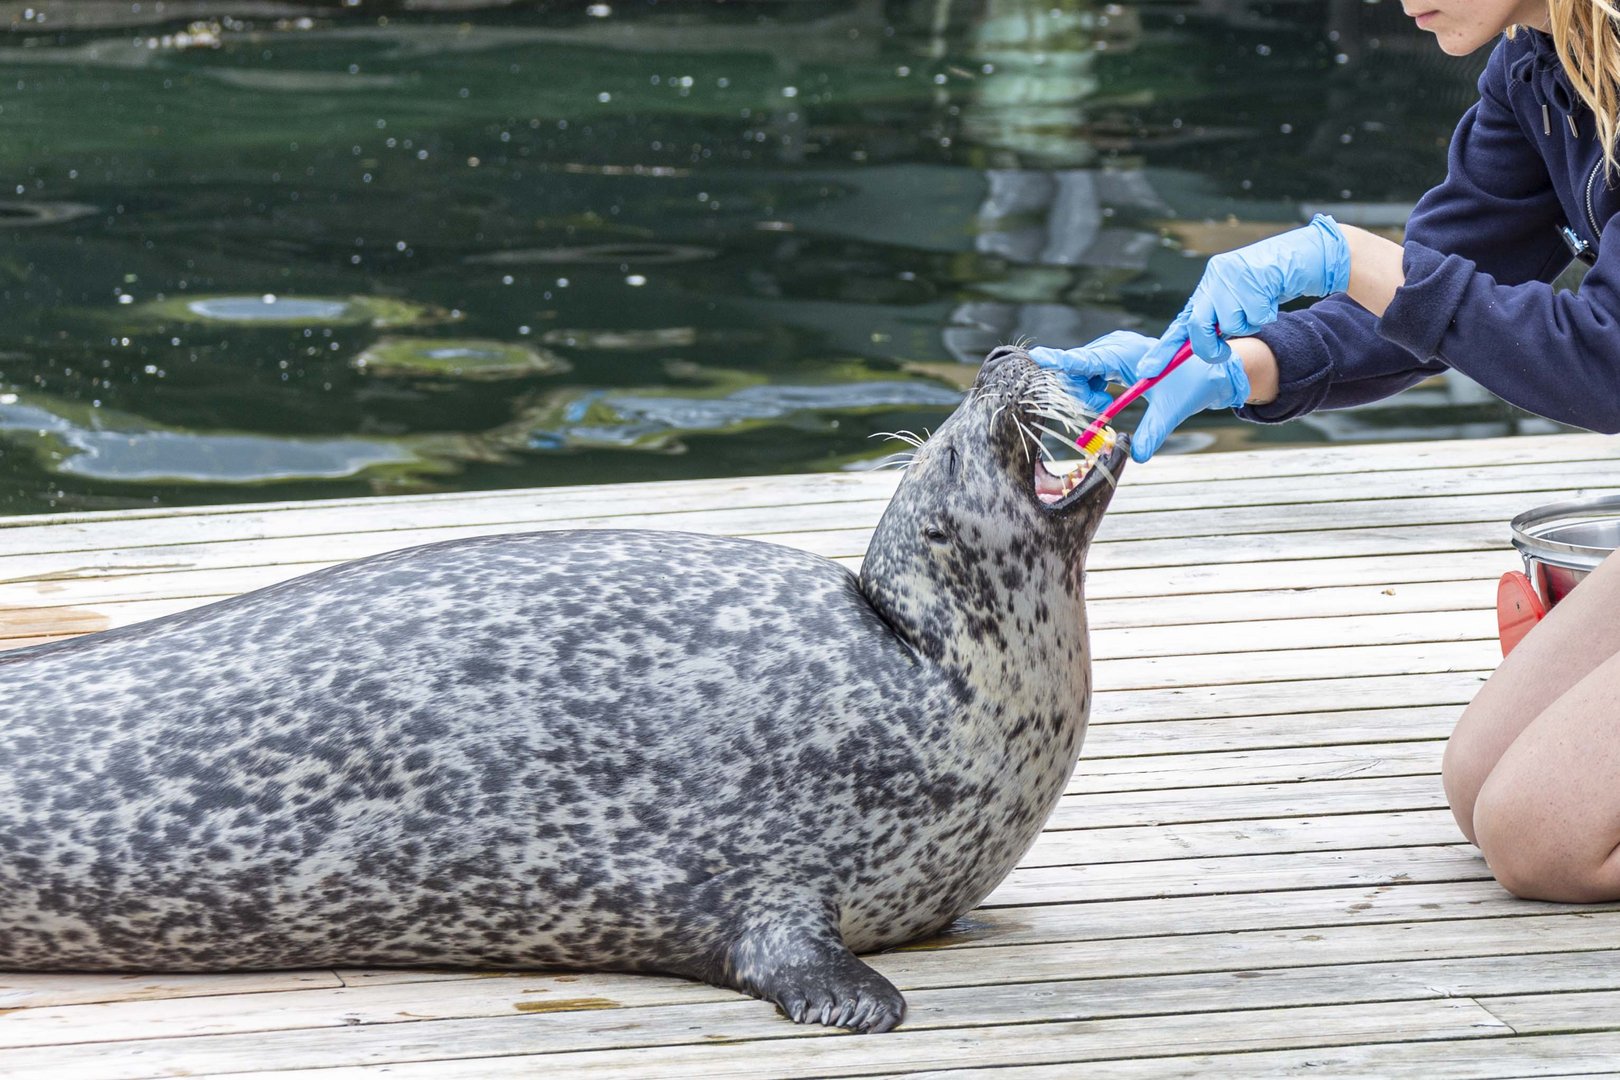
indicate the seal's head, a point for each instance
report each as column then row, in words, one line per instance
column 983, row 535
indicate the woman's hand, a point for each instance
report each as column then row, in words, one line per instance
column 1119, row 357
column 1241, row 290
column 1112, row 358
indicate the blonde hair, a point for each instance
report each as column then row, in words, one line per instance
column 1586, row 34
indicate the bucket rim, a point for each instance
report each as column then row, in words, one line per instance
column 1532, row 545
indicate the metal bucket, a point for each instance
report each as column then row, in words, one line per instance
column 1563, row 542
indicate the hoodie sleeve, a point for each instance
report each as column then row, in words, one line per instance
column 1498, row 213
column 1555, row 354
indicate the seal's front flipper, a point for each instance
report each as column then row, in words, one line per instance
column 804, row 967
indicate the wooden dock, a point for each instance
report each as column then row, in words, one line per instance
column 1253, row 873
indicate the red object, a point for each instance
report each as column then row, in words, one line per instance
column 1094, row 429
column 1518, row 609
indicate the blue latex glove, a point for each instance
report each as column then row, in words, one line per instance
column 1120, row 357
column 1241, row 290
column 1111, row 358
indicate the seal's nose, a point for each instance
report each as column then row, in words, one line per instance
column 998, row 356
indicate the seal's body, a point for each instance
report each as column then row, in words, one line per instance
column 626, row 750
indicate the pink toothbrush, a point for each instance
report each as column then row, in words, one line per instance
column 1091, row 439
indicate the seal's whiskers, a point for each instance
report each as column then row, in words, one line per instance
column 1046, row 398
column 1065, row 407
column 908, row 437
column 1026, row 437
column 1055, row 434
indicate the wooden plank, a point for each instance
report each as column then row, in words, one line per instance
column 1527, row 1013
column 1080, row 1041
column 1114, row 735
column 1274, row 836
column 747, row 1039
column 1256, row 502
column 1272, row 548
column 1207, row 914
column 1547, row 1056
column 1230, row 875
column 1157, row 673
column 1283, row 765
column 929, row 1009
column 1391, row 569
column 1242, row 950
column 1311, row 509
column 1378, row 459
column 1460, row 594
column 1273, row 635
column 1247, row 802
column 22, row 990
column 18, row 623
column 25, row 642
column 1284, row 699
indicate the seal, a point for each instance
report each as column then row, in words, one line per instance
column 621, row 750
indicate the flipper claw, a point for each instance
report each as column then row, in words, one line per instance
column 804, row 967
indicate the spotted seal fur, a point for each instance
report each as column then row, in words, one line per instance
column 638, row 751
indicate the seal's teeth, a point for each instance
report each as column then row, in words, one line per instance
column 1054, row 480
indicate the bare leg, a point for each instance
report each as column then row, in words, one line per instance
column 1548, row 817
column 1575, row 638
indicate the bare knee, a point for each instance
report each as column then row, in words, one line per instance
column 1499, row 841
column 1464, row 767
column 1511, row 830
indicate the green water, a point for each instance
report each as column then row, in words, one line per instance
column 267, row 251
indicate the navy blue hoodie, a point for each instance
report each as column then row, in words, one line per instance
column 1480, row 251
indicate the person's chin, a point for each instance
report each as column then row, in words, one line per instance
column 1458, row 45
column 1454, row 49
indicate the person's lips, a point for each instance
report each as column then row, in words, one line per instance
column 1423, row 18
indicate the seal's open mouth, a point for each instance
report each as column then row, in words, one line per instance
column 1055, row 479
column 1061, row 484
column 1050, row 421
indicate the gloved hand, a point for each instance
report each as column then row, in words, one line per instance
column 1111, row 358
column 1120, row 357
column 1241, row 290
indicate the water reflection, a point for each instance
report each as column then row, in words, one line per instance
column 269, row 309
column 601, row 254
column 636, row 241
column 22, row 215
column 454, row 359
column 657, row 420
column 128, row 450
